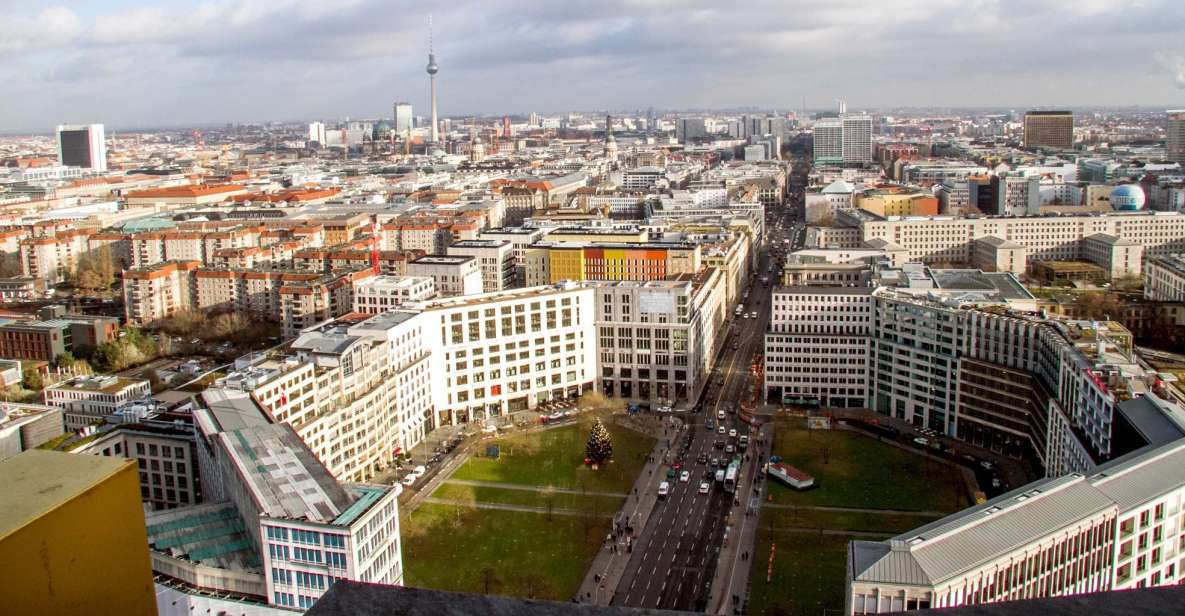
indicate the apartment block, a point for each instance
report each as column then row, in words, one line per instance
column 158, row 291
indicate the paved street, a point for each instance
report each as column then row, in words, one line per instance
column 674, row 560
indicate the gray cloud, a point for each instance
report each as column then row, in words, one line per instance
column 243, row 60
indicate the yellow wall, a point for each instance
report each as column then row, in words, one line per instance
column 566, row 265
column 89, row 555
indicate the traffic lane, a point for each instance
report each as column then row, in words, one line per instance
column 674, row 532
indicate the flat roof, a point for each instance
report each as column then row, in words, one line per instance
column 444, row 259
column 1002, row 284
column 36, row 482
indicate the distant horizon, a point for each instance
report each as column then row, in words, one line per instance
column 632, row 112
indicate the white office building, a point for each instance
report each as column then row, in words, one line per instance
column 384, row 293
column 495, row 259
column 857, row 138
column 818, row 344
column 453, row 275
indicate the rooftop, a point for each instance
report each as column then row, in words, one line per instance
column 285, row 479
column 36, row 482
column 961, row 542
column 349, row 598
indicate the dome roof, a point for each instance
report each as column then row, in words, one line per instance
column 1127, row 197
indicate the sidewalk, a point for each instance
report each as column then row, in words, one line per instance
column 608, row 566
column 732, row 569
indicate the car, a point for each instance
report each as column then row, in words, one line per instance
column 720, row 430
column 718, row 444
column 744, row 440
column 715, row 462
column 720, row 414
column 986, row 465
column 729, row 449
column 752, row 315
column 736, row 345
column 732, row 433
column 921, row 440
column 702, row 459
column 704, row 487
column 409, row 480
column 709, row 424
column 671, row 473
column 664, row 488
column 684, row 477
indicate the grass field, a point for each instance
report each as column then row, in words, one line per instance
column 603, row 505
column 520, row 554
column 525, row 554
column 556, row 458
column 851, row 470
column 854, row 470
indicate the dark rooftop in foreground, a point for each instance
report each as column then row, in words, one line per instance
column 346, row 598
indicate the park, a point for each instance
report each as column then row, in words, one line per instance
column 525, row 515
column 866, row 489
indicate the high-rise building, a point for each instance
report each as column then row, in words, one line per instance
column 1174, row 143
column 82, row 145
column 828, row 140
column 58, row 557
column 403, row 118
column 687, row 129
column 317, row 132
column 1049, row 129
column 857, row 138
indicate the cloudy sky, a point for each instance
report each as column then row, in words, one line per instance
column 179, row 62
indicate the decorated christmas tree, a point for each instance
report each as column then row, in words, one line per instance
column 600, row 446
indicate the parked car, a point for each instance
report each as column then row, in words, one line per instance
column 921, row 440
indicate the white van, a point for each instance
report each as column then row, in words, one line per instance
column 664, row 488
column 720, row 476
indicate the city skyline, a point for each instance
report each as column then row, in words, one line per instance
column 195, row 63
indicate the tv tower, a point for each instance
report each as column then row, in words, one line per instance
column 432, row 70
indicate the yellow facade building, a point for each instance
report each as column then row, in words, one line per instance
column 72, row 537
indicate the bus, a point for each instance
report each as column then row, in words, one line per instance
column 730, row 475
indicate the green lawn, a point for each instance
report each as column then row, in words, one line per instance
column 851, row 470
column 516, row 553
column 859, row 471
column 808, row 574
column 556, row 458
column 602, row 505
column 451, row 548
column 890, row 524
